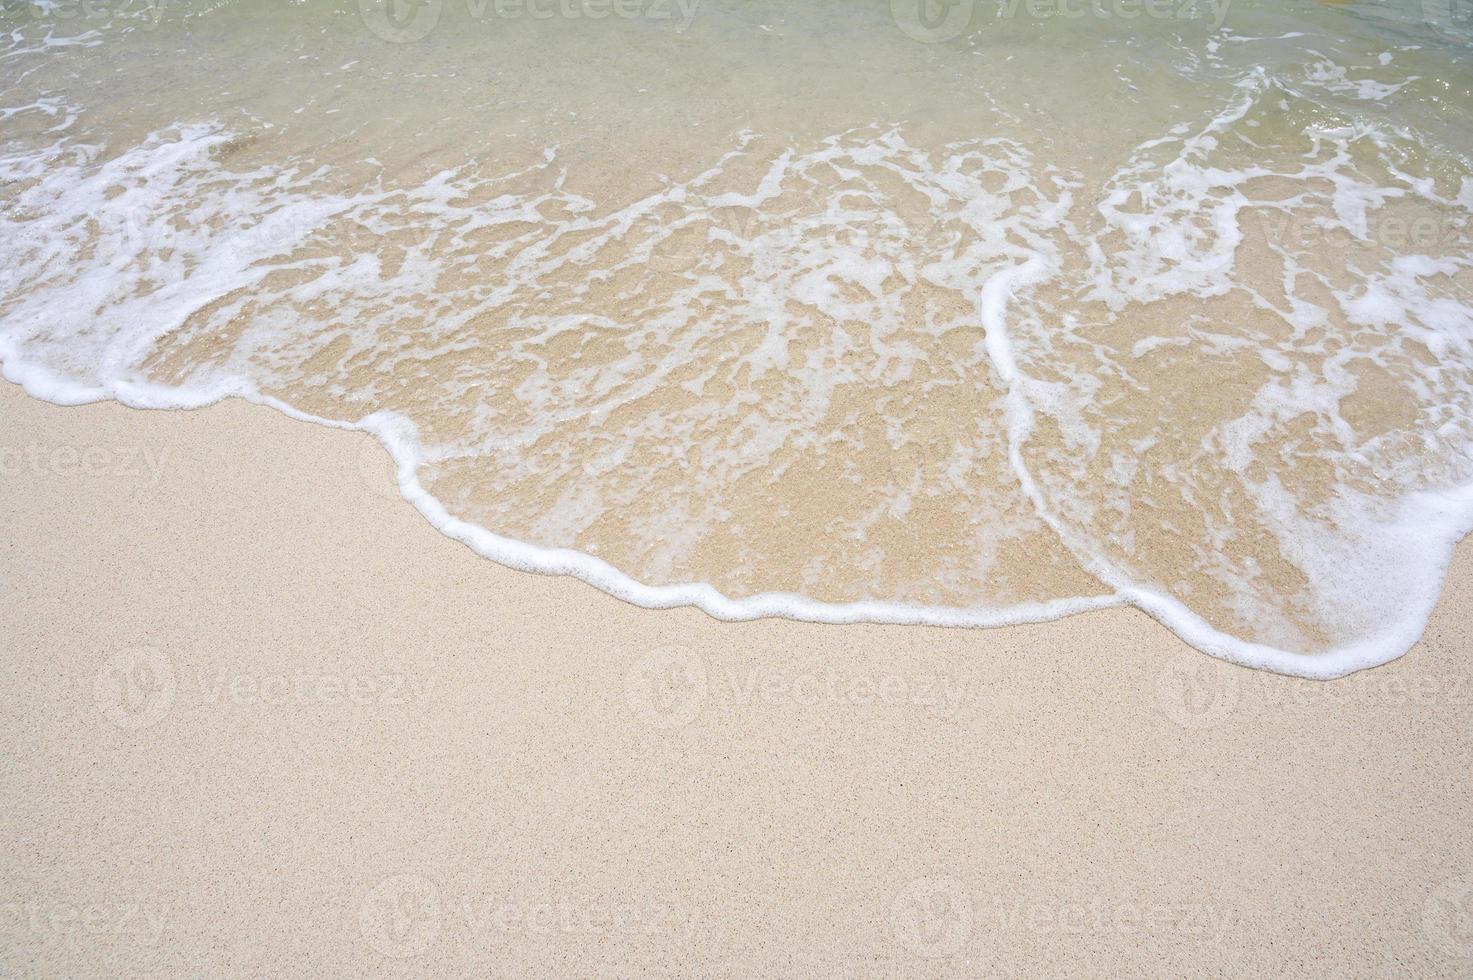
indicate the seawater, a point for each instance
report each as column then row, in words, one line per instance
column 967, row 313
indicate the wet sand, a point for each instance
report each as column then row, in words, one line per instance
column 261, row 718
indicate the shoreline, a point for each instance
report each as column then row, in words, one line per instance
column 395, row 435
column 263, row 716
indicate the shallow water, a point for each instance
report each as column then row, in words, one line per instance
column 965, row 313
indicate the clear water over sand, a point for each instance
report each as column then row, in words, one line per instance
column 961, row 313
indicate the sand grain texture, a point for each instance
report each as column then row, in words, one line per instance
column 261, row 718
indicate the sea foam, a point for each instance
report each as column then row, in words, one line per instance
column 869, row 375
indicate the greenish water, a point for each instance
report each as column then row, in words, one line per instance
column 969, row 312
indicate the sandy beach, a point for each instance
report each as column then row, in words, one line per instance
column 695, row 328
column 260, row 718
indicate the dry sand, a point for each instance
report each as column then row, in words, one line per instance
column 260, row 718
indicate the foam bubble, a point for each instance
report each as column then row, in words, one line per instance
column 874, row 375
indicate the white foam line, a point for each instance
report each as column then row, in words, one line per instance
column 398, row 435
column 1453, row 507
column 1431, row 523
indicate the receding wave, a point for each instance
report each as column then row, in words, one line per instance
column 892, row 371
